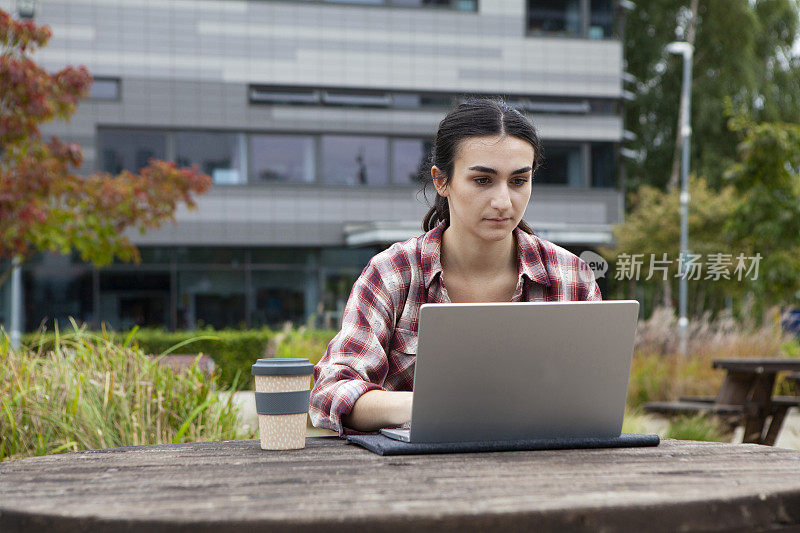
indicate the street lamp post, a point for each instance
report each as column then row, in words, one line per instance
column 15, row 318
column 687, row 50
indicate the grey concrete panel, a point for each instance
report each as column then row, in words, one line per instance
column 58, row 12
column 400, row 48
column 571, row 78
column 282, row 214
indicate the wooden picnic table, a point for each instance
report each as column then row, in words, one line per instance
column 746, row 397
column 334, row 486
column 750, row 383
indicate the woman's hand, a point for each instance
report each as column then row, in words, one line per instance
column 377, row 409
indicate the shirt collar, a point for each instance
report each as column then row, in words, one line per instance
column 530, row 262
column 529, row 256
column 431, row 254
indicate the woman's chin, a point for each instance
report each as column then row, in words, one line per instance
column 496, row 233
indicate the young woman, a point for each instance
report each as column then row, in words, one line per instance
column 476, row 248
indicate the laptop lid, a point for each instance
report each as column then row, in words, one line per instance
column 520, row 370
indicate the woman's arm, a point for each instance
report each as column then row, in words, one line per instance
column 377, row 409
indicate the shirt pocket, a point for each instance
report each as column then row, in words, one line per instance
column 404, row 342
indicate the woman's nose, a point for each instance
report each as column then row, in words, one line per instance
column 501, row 198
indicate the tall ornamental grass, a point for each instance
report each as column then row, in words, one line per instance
column 88, row 392
column 660, row 372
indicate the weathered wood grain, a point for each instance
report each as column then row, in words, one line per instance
column 334, row 486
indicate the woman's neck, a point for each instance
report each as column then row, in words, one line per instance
column 467, row 255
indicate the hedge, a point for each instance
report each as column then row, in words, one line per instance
column 232, row 350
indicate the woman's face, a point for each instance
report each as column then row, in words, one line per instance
column 490, row 185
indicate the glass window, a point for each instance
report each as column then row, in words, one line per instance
column 211, row 255
column 156, row 254
column 284, row 96
column 211, row 297
column 555, row 16
column 278, row 296
column 56, row 289
column 355, row 98
column 355, row 258
column 284, row 256
column 410, row 158
column 354, row 160
column 603, row 165
column 602, row 20
column 562, row 166
column 130, row 149
column 281, row 158
column 467, row 5
column 104, row 89
column 419, row 3
column 216, row 154
column 129, row 299
column 374, row 2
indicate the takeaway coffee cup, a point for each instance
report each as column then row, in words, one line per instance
column 282, row 393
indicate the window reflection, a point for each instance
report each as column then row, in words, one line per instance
column 217, row 154
column 125, row 149
column 129, row 298
column 603, row 165
column 211, row 297
column 354, row 160
column 562, row 166
column 55, row 288
column 278, row 296
column 602, row 20
column 276, row 158
column 555, row 16
column 410, row 158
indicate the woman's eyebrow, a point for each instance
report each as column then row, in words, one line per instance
column 489, row 170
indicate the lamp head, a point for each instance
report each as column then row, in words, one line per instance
column 680, row 48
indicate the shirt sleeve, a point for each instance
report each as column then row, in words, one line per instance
column 355, row 361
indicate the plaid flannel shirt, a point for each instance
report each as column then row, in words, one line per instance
column 377, row 345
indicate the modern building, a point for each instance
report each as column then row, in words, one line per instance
column 314, row 118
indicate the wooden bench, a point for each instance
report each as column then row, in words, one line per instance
column 729, row 414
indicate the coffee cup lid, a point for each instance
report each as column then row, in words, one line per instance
column 282, row 366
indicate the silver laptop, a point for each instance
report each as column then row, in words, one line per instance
column 502, row 371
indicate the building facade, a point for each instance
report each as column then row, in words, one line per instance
column 314, row 119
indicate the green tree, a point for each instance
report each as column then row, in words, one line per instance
column 767, row 216
column 652, row 229
column 44, row 204
column 756, row 213
column 742, row 52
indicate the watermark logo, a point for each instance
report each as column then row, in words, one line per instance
column 597, row 264
column 717, row 266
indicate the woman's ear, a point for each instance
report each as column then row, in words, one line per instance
column 439, row 181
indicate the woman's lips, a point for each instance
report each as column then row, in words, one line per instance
column 498, row 220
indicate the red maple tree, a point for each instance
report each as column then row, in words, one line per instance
column 44, row 204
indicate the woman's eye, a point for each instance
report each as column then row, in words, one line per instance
column 520, row 181
column 482, row 181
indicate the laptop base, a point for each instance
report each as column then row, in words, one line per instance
column 403, row 435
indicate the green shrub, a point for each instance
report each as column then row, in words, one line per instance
column 699, row 427
column 650, row 378
column 791, row 348
column 303, row 342
column 234, row 351
column 84, row 391
column 634, row 422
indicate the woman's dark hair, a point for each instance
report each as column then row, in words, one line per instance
column 474, row 117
